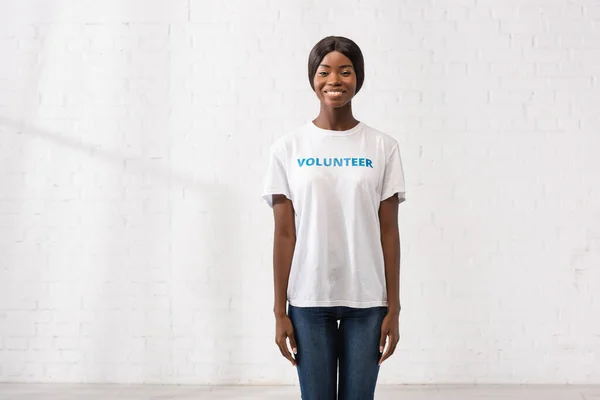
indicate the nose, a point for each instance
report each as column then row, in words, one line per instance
column 334, row 79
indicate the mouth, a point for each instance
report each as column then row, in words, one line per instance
column 334, row 93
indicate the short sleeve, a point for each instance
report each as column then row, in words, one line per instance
column 393, row 177
column 276, row 181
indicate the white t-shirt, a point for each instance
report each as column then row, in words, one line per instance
column 336, row 181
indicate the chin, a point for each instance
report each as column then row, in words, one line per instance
column 335, row 105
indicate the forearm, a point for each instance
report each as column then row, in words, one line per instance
column 390, row 242
column 283, row 251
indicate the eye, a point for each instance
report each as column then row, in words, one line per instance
column 344, row 73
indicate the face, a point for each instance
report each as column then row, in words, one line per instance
column 335, row 80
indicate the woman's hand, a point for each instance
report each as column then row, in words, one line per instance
column 284, row 330
column 390, row 327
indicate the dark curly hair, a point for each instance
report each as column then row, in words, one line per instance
column 345, row 46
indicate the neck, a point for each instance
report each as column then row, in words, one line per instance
column 336, row 119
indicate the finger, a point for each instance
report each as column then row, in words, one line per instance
column 286, row 353
column 293, row 343
column 382, row 341
column 384, row 356
column 389, row 351
column 283, row 348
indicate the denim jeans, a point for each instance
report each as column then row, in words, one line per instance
column 320, row 344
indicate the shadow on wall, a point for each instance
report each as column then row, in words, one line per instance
column 115, row 302
column 148, row 317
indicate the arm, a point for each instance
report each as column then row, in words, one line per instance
column 283, row 250
column 390, row 243
column 284, row 242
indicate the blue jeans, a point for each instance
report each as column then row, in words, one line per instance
column 320, row 343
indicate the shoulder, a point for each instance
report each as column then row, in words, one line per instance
column 387, row 141
column 281, row 144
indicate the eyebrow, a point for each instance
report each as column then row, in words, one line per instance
column 341, row 66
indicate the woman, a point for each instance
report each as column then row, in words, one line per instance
column 334, row 185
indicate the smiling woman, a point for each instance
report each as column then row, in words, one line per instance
column 318, row 57
column 335, row 185
column 336, row 73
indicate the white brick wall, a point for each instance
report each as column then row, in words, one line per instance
column 134, row 246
